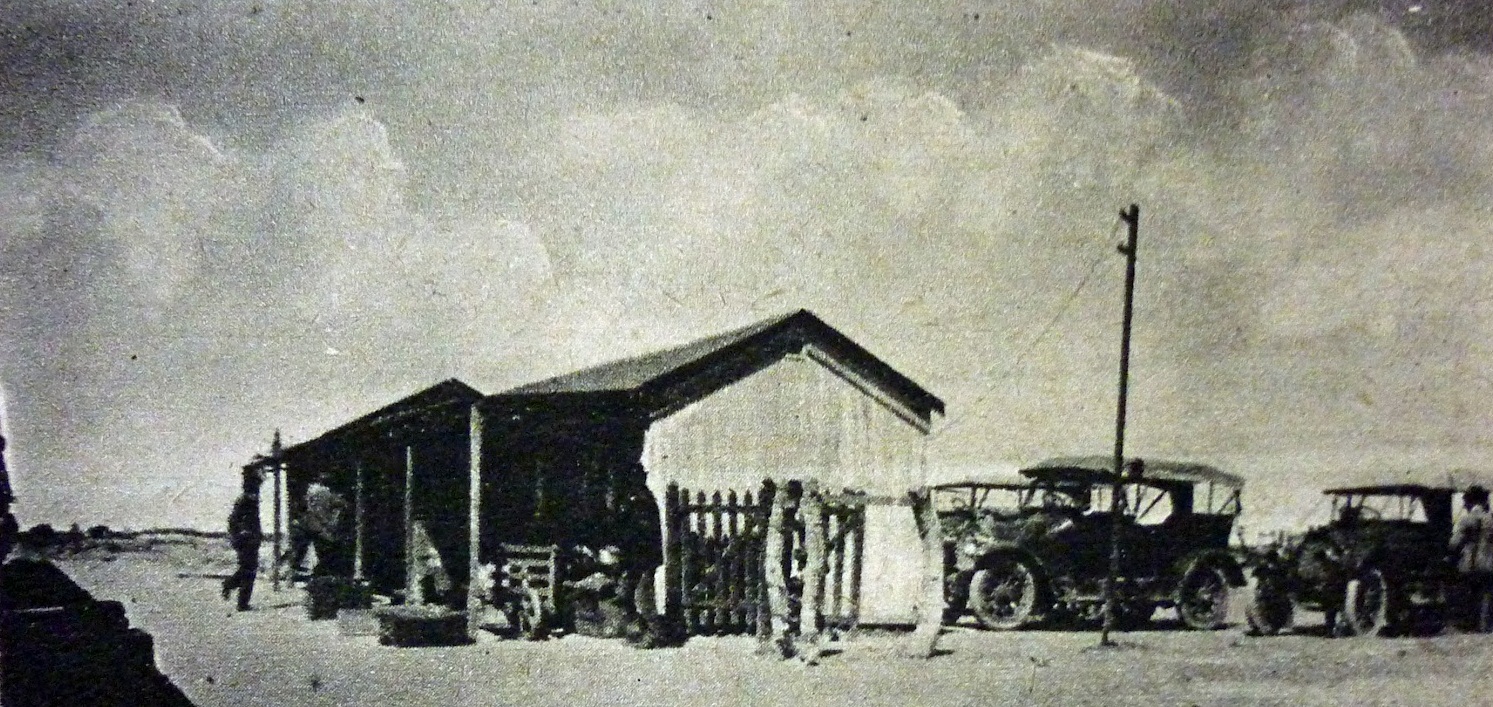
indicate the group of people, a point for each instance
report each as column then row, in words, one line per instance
column 316, row 527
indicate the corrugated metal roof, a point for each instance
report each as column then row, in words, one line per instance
column 448, row 392
column 690, row 371
column 633, row 373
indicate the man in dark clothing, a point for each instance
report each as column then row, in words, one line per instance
column 300, row 544
column 244, row 534
column 9, row 529
column 638, row 537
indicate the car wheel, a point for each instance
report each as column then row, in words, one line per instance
column 1369, row 604
column 956, row 598
column 533, row 619
column 1203, row 597
column 1270, row 612
column 1004, row 596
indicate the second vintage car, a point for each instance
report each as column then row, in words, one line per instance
column 1378, row 567
column 1026, row 552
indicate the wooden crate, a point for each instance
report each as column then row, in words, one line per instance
column 408, row 626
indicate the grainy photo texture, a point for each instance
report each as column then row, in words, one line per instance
column 554, row 352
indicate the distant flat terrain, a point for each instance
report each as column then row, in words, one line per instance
column 274, row 656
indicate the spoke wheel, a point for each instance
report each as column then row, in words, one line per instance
column 533, row 620
column 1271, row 610
column 1004, row 597
column 1369, row 603
column 1203, row 598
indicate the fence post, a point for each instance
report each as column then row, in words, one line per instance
column 924, row 640
column 762, row 615
column 812, row 600
column 673, row 592
column 776, row 579
column 715, row 616
column 733, row 567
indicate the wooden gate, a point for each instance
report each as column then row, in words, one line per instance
column 716, row 558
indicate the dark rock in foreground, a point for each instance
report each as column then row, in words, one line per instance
column 60, row 646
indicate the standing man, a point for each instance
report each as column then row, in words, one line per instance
column 638, row 534
column 324, row 524
column 1473, row 543
column 245, row 534
column 9, row 529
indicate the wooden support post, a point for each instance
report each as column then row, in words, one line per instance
column 811, row 603
column 475, row 580
column 359, row 520
column 836, row 591
column 924, row 640
column 277, row 467
column 777, row 639
column 409, row 524
column 673, row 575
column 856, row 560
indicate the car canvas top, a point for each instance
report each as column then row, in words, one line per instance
column 1101, row 469
column 1390, row 490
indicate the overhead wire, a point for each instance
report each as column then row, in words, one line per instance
column 1052, row 321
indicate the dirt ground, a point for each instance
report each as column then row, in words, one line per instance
column 274, row 656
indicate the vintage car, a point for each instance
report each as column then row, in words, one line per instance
column 1379, row 567
column 1021, row 553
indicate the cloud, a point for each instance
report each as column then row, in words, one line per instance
column 508, row 191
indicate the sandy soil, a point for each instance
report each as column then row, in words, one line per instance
column 274, row 656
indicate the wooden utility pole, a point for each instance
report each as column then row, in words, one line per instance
column 1131, row 217
column 277, row 467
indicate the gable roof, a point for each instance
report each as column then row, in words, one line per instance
column 450, row 392
column 677, row 376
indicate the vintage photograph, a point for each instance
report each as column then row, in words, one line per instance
column 746, row 352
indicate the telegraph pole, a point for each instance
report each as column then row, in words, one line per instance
column 1131, row 217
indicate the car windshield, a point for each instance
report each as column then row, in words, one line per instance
column 1148, row 505
column 1350, row 507
column 1061, row 497
column 976, row 497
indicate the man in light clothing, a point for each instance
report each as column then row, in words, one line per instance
column 1473, row 543
column 323, row 523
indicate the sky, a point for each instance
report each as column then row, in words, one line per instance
column 219, row 219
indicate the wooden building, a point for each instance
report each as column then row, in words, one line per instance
column 785, row 398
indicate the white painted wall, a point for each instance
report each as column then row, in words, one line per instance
column 801, row 419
